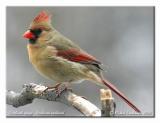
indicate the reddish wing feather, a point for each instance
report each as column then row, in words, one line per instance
column 78, row 56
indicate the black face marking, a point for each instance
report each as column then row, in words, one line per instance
column 32, row 41
column 36, row 33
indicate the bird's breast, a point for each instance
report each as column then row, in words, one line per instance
column 34, row 52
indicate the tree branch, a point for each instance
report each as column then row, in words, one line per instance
column 32, row 91
column 107, row 103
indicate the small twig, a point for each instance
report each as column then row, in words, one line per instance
column 32, row 91
column 107, row 102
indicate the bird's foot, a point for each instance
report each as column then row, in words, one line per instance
column 59, row 88
column 51, row 87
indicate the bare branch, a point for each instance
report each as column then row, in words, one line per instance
column 107, row 102
column 32, row 91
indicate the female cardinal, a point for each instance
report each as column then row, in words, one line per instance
column 58, row 58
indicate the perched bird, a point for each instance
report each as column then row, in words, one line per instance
column 57, row 58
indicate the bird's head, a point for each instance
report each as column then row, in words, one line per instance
column 39, row 28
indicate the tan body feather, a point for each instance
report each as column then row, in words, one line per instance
column 46, row 62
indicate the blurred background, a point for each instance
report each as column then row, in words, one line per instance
column 121, row 37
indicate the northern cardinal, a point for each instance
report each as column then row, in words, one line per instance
column 58, row 58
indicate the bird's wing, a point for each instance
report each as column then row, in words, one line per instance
column 77, row 55
column 70, row 51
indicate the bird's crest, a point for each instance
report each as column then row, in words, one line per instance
column 43, row 16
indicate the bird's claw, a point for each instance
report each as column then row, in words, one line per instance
column 58, row 89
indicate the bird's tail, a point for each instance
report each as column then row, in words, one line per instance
column 120, row 94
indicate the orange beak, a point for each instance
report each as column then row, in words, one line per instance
column 29, row 35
